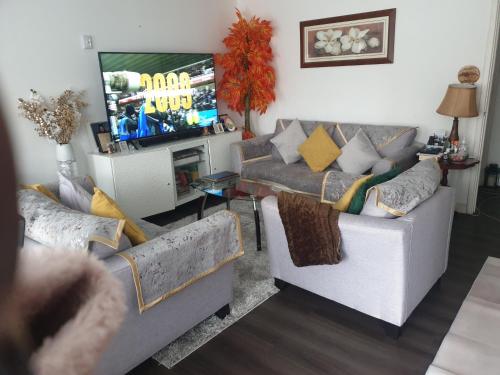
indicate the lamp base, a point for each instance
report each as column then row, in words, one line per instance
column 454, row 140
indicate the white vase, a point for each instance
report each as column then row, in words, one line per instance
column 66, row 162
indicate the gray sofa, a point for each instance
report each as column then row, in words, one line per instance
column 259, row 163
column 210, row 291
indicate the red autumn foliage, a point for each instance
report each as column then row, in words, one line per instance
column 248, row 80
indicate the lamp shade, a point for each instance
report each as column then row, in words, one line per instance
column 459, row 101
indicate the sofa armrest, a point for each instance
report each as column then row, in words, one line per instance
column 404, row 159
column 250, row 150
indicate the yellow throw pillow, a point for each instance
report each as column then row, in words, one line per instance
column 319, row 150
column 103, row 205
column 41, row 189
column 343, row 203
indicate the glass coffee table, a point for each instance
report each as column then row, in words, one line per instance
column 228, row 189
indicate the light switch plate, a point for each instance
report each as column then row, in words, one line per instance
column 87, row 42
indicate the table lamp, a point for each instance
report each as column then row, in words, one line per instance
column 459, row 101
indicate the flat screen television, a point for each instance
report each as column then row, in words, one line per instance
column 160, row 95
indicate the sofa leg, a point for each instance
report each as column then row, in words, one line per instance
column 280, row 284
column 223, row 312
column 392, row 330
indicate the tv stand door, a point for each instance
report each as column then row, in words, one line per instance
column 144, row 182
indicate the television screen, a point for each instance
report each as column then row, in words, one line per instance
column 152, row 94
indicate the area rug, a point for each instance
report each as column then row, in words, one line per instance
column 253, row 285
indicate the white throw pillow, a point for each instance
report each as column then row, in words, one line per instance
column 358, row 155
column 73, row 195
column 370, row 207
column 288, row 141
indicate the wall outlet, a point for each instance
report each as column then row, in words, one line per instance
column 87, row 42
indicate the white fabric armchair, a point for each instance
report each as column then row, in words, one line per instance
column 388, row 265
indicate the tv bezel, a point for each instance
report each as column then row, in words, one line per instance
column 155, row 139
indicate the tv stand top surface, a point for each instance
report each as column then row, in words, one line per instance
column 174, row 144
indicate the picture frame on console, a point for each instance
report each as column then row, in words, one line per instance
column 102, row 135
column 355, row 39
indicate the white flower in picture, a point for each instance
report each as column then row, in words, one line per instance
column 355, row 40
column 329, row 41
column 373, row 42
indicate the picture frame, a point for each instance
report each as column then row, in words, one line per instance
column 227, row 122
column 218, row 128
column 355, row 39
column 102, row 135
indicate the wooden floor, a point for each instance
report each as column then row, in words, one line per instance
column 296, row 332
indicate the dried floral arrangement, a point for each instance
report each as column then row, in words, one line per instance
column 56, row 118
column 249, row 79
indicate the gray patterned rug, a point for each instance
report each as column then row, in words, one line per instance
column 252, row 286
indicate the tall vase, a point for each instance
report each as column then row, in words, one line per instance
column 66, row 162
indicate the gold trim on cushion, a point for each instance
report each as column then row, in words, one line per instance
column 137, row 280
column 341, row 133
column 401, row 132
column 323, row 185
column 115, row 242
column 343, row 203
column 383, row 206
column 42, row 190
column 264, row 157
column 278, row 186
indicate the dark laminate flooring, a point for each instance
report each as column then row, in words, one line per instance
column 296, row 332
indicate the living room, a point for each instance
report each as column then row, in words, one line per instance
column 223, row 268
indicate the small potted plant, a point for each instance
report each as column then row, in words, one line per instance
column 56, row 118
column 248, row 80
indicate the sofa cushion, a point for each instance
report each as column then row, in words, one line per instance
column 358, row 155
column 307, row 126
column 319, row 150
column 359, row 198
column 412, row 187
column 288, row 141
column 73, row 195
column 55, row 225
column 103, row 205
column 42, row 189
column 386, row 139
column 297, row 177
column 343, row 203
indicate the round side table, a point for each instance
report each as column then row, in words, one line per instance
column 447, row 165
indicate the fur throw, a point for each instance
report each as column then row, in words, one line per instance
column 71, row 306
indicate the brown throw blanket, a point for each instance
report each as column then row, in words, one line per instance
column 311, row 228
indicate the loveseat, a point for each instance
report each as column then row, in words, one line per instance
column 259, row 163
column 208, row 291
column 387, row 266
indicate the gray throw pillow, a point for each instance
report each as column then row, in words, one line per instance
column 288, row 141
column 57, row 226
column 74, row 195
column 358, row 155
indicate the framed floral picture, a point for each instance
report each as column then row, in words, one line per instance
column 356, row 39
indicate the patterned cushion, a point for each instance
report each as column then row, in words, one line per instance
column 55, row 225
column 412, row 187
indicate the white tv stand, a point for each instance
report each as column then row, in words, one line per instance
column 144, row 183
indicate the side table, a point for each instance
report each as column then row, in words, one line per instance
column 447, row 165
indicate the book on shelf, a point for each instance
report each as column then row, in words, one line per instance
column 221, row 176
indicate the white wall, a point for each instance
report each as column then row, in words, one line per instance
column 434, row 39
column 41, row 50
column 492, row 147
